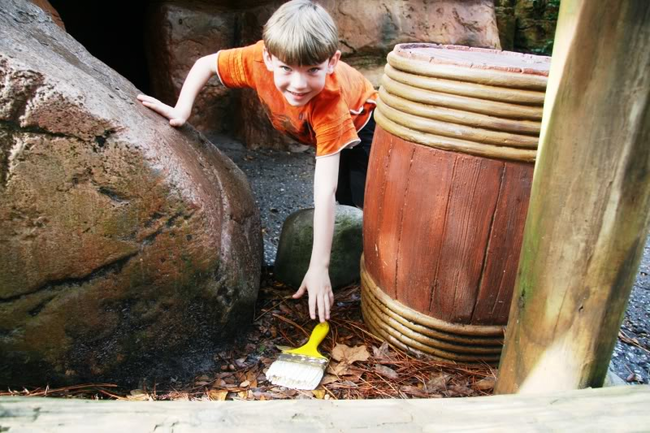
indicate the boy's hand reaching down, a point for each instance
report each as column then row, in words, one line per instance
column 176, row 117
column 317, row 284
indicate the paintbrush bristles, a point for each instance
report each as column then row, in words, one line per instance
column 297, row 371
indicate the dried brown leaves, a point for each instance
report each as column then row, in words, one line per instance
column 361, row 366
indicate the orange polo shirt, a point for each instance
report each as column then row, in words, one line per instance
column 329, row 121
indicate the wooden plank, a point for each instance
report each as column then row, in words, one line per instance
column 588, row 217
column 422, row 225
column 581, row 411
column 502, row 256
column 374, row 205
column 472, row 200
column 388, row 230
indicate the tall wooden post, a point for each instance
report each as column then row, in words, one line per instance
column 589, row 210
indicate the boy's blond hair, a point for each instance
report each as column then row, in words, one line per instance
column 301, row 33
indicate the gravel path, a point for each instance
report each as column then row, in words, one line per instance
column 631, row 359
column 282, row 184
column 281, row 181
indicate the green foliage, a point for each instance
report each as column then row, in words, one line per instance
column 552, row 8
column 546, row 50
column 543, row 4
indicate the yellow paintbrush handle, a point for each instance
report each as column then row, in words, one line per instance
column 310, row 348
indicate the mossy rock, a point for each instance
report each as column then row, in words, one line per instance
column 294, row 250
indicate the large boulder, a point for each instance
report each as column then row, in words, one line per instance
column 126, row 244
column 367, row 35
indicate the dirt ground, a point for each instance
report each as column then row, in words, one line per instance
column 282, row 184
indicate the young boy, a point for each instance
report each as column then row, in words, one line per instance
column 311, row 96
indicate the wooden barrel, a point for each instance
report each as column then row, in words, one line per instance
column 446, row 198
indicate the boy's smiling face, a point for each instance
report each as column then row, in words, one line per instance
column 299, row 84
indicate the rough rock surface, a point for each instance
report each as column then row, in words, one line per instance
column 374, row 31
column 297, row 238
column 367, row 35
column 536, row 21
column 53, row 13
column 282, row 183
column 177, row 34
column 125, row 244
column 506, row 22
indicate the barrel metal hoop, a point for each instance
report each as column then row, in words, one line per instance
column 465, row 103
column 460, row 117
column 452, row 144
column 378, row 324
column 443, row 348
column 460, row 132
column 491, row 77
column 381, row 317
column 432, row 336
column 463, row 88
column 369, row 284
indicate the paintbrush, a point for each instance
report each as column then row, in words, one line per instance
column 301, row 368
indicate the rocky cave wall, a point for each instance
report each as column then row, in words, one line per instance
column 527, row 25
column 161, row 40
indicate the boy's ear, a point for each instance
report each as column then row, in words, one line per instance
column 333, row 61
column 268, row 60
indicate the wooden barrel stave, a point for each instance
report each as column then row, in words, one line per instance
column 500, row 270
column 484, row 205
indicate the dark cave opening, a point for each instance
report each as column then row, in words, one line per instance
column 111, row 31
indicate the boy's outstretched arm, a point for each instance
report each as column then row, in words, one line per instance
column 317, row 280
column 201, row 72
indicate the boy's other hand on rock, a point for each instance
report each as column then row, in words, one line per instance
column 175, row 116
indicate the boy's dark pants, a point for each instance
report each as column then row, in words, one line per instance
column 353, row 167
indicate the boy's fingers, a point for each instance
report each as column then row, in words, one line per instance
column 162, row 109
column 299, row 293
column 326, row 303
column 312, row 307
column 154, row 106
column 176, row 122
column 145, row 98
column 321, row 308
